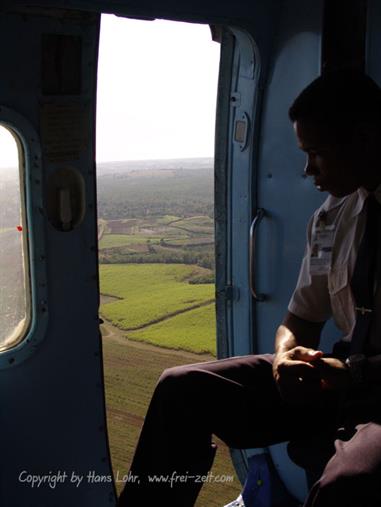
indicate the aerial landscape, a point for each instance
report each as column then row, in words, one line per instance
column 13, row 279
column 156, row 254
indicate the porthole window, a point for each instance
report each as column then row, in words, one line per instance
column 15, row 298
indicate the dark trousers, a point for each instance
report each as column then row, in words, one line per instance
column 237, row 400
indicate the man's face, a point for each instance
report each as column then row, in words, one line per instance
column 333, row 166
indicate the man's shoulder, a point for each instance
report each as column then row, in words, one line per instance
column 352, row 203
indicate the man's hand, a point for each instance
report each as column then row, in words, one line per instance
column 297, row 378
column 300, row 370
column 302, row 373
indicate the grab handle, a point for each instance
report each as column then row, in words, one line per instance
column 260, row 214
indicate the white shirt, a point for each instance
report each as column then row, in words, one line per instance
column 323, row 288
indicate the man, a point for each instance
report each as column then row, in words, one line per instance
column 298, row 392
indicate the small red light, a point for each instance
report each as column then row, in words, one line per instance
column 19, row 228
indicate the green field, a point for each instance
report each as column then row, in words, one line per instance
column 200, row 241
column 167, row 219
column 115, row 240
column 131, row 372
column 162, row 239
column 118, row 233
column 150, row 293
column 171, row 305
column 193, row 330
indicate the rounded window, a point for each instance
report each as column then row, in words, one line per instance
column 15, row 297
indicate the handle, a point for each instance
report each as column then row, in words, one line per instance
column 253, row 229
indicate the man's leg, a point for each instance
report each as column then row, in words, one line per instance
column 352, row 477
column 236, row 399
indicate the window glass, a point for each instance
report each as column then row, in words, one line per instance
column 14, row 283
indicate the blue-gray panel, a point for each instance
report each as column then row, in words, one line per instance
column 246, row 91
column 238, row 12
column 52, row 404
column 286, row 195
column 251, row 60
column 282, row 190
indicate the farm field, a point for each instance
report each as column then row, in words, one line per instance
column 131, row 372
column 193, row 330
column 156, row 252
column 156, row 303
column 115, row 240
column 157, row 239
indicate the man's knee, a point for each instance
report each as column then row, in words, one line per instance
column 175, row 378
column 168, row 380
column 183, row 382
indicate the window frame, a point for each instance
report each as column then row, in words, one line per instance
column 32, row 214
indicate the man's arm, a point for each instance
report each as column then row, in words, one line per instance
column 295, row 351
column 295, row 331
column 300, row 370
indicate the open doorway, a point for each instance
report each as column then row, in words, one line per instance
column 157, row 87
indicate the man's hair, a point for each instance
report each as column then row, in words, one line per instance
column 339, row 100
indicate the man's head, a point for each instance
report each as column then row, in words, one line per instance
column 337, row 120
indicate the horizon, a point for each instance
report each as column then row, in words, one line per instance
column 137, row 161
column 153, row 160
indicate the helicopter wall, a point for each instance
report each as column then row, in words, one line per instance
column 225, row 11
column 52, row 418
column 63, row 427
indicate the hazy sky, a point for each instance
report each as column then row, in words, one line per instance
column 8, row 149
column 157, row 86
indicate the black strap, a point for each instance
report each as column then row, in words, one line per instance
column 363, row 279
